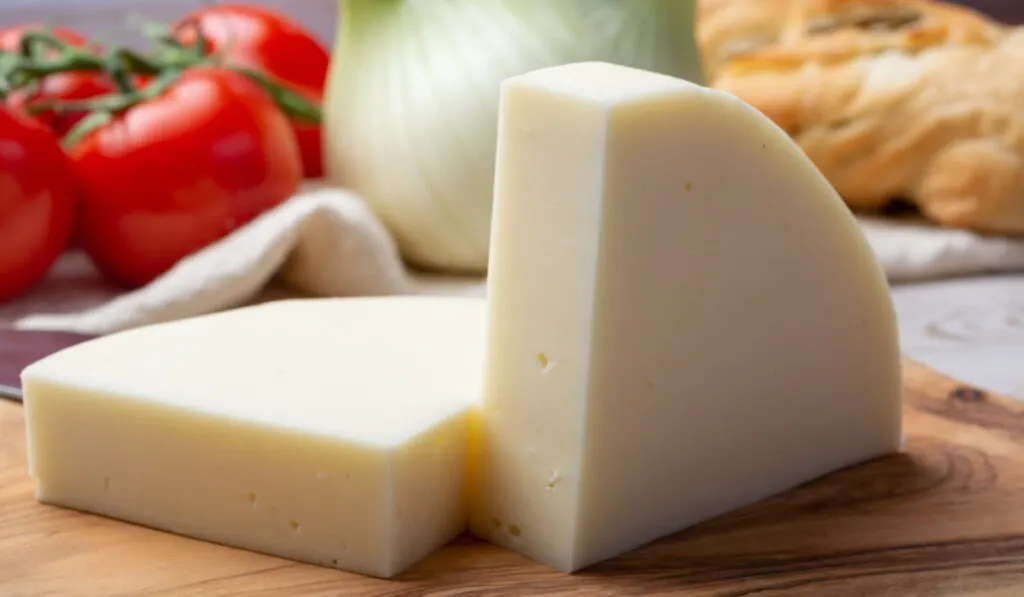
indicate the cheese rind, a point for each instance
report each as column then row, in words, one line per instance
column 330, row 431
column 684, row 317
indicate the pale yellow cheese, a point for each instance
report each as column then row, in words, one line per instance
column 684, row 317
column 331, row 431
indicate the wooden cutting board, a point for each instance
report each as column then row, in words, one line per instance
column 944, row 518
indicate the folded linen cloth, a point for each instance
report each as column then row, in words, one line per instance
column 326, row 242
column 913, row 250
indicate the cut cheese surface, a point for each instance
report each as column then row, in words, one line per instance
column 331, row 431
column 684, row 317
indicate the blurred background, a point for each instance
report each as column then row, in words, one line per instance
column 1011, row 11
column 104, row 18
column 100, row 17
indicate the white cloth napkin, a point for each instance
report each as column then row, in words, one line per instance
column 913, row 250
column 326, row 242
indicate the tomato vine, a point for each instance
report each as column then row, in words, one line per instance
column 42, row 54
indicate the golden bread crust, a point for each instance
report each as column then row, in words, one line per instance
column 911, row 99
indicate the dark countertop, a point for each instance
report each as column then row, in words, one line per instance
column 1010, row 11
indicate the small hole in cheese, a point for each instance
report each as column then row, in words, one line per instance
column 553, row 480
column 514, row 530
column 496, row 522
column 688, row 186
column 252, row 498
column 294, row 524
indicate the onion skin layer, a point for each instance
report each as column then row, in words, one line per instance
column 411, row 110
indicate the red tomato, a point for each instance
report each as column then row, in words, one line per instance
column 171, row 175
column 10, row 38
column 37, row 203
column 60, row 86
column 262, row 39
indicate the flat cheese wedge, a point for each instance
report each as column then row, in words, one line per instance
column 684, row 317
column 330, row 431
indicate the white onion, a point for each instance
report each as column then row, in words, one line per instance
column 412, row 104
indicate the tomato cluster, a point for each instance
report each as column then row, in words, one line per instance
column 146, row 159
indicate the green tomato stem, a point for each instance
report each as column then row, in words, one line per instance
column 29, row 65
column 119, row 73
column 33, row 43
column 102, row 109
column 85, row 126
column 293, row 104
column 139, row 64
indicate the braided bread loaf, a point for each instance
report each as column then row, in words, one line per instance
column 916, row 100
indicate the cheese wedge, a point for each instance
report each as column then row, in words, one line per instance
column 330, row 431
column 684, row 317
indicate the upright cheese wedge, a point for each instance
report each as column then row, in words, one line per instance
column 684, row 318
column 331, row 431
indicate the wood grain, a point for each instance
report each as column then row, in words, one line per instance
column 941, row 519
